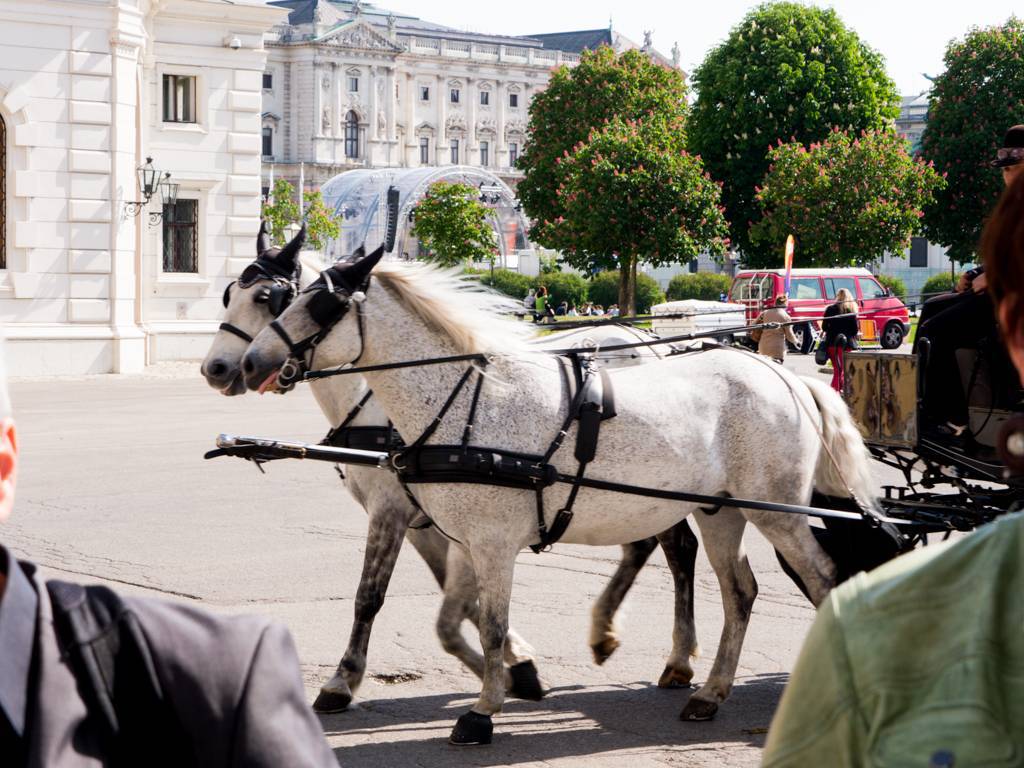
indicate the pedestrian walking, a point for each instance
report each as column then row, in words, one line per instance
column 90, row 679
column 840, row 320
column 771, row 342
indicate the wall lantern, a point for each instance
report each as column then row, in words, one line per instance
column 150, row 182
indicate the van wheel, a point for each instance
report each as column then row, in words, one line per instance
column 892, row 336
column 804, row 338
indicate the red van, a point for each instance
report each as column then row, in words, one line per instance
column 886, row 320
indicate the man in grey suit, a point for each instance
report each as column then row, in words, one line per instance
column 229, row 688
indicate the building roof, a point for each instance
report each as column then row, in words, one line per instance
column 576, row 42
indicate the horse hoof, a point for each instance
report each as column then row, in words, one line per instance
column 697, row 710
column 604, row 650
column 471, row 729
column 525, row 681
column 329, row 702
column 674, row 678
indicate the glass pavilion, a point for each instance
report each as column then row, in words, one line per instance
column 359, row 199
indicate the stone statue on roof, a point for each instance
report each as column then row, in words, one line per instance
column 647, row 39
column 391, row 23
column 357, row 8
column 675, row 54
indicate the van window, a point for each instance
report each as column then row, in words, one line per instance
column 805, row 288
column 869, row 289
column 739, row 287
column 833, row 284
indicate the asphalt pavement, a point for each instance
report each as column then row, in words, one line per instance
column 114, row 489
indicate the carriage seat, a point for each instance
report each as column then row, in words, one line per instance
column 991, row 387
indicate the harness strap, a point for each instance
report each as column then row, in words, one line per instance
column 472, row 412
column 236, row 331
column 348, row 419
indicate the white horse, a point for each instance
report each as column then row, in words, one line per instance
column 251, row 305
column 719, row 422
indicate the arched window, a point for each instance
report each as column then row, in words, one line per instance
column 3, row 193
column 352, row 135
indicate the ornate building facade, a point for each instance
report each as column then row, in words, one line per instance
column 95, row 277
column 349, row 85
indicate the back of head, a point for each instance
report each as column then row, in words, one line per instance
column 781, row 300
column 1002, row 248
column 845, row 301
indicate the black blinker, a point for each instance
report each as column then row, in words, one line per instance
column 227, row 294
column 327, row 308
column 279, row 298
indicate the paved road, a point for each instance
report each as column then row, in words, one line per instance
column 114, row 488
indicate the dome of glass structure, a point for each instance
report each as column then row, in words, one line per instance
column 359, row 200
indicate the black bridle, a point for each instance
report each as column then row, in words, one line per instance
column 333, row 296
column 277, row 297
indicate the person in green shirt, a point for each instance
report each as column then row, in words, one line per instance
column 921, row 661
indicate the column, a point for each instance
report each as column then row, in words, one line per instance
column 126, row 238
column 374, row 133
column 442, row 136
column 389, row 101
column 411, row 97
column 339, row 78
column 472, row 157
column 318, row 105
column 500, row 150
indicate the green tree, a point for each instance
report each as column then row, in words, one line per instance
column 972, row 103
column 599, row 89
column 707, row 286
column 896, row 286
column 786, row 72
column 281, row 210
column 451, row 225
column 631, row 193
column 285, row 212
column 845, row 200
column 321, row 225
column 604, row 290
column 940, row 283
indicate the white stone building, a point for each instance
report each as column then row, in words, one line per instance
column 350, row 85
column 88, row 90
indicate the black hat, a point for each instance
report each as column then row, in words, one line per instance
column 1012, row 151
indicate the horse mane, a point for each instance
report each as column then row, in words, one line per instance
column 474, row 318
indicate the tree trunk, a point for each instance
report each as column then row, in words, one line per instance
column 627, row 287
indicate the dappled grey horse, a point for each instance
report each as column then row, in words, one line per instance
column 264, row 288
column 717, row 422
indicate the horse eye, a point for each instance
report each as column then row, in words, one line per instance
column 262, row 296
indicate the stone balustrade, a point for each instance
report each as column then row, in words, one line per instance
column 459, row 49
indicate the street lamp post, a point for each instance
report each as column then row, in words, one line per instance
column 152, row 181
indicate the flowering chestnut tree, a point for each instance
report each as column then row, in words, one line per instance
column 451, row 225
column 603, row 86
column 973, row 102
column 631, row 192
column 787, row 71
column 845, row 200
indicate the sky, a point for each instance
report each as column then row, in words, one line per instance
column 912, row 36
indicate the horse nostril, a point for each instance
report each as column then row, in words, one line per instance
column 247, row 366
column 217, row 368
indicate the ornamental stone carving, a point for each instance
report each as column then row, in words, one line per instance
column 456, row 123
column 486, row 125
column 325, row 119
column 362, row 36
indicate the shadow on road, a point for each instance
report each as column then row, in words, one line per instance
column 572, row 721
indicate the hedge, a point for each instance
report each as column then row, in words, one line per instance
column 940, row 283
column 563, row 286
column 707, row 286
column 604, row 290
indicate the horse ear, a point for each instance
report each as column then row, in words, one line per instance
column 290, row 253
column 357, row 272
column 263, row 242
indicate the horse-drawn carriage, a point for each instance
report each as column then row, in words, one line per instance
column 675, row 441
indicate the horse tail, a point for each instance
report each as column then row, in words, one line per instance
column 844, row 464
